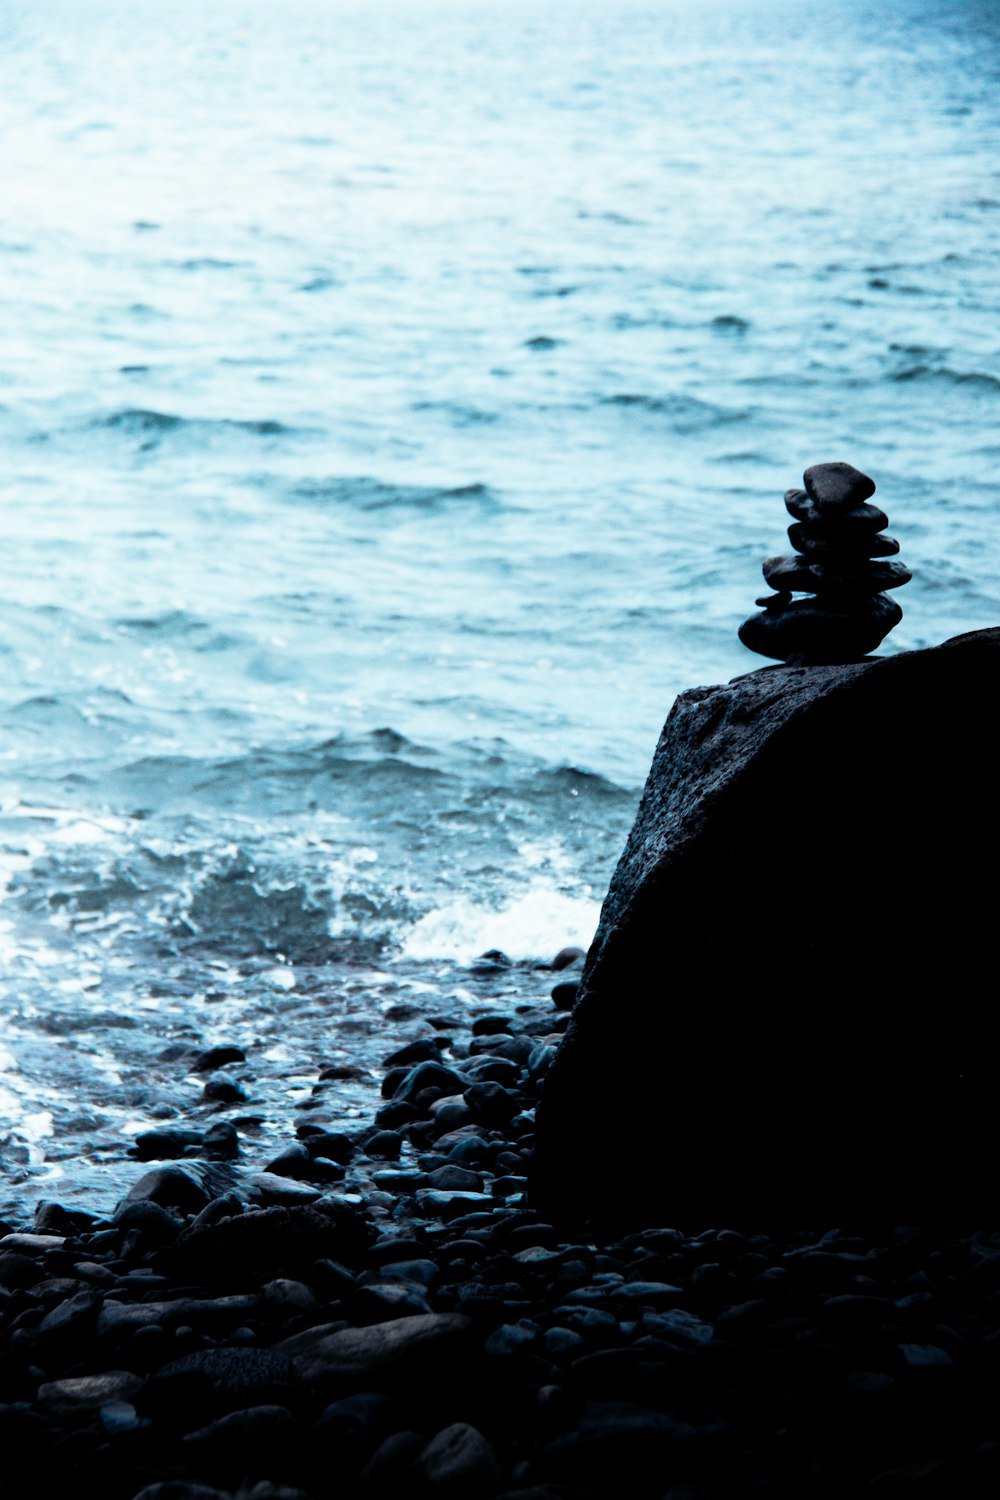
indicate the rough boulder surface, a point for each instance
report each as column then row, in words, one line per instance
column 784, row 1018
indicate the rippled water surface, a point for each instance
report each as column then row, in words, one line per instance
column 396, row 402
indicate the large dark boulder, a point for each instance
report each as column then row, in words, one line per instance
column 785, row 1018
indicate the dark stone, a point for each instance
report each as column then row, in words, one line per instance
column 459, row 1461
column 496, row 1069
column 450, row 1205
column 850, row 522
column 381, row 1300
column 428, row 1075
column 403, row 1347
column 223, row 1091
column 217, row 1057
column 469, row 1151
column 819, row 540
column 567, row 957
column 187, row 1189
column 53, row 1218
column 389, row 1470
column 612, row 1438
column 294, row 1161
column 513, row 1048
column 222, row 1143
column 75, row 1318
column 164, row 1145
column 252, row 1434
column 255, row 1247
column 384, row 1145
column 564, row 995
column 491, row 1103
column 424, row 1050
column 397, row 1112
column 238, row 1377
column 455, row 1177
column 738, row 1052
column 491, row 1025
column 799, row 575
column 450, row 1114
column 820, row 633
column 18, row 1271
column 331, row 1144
column 837, row 486
column 387, row 1251
column 223, row 1207
column 393, row 1078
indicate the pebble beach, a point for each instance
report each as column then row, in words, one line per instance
column 382, row 1313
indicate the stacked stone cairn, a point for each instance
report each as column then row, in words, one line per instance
column 842, row 564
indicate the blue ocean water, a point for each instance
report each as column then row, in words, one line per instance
column 396, row 402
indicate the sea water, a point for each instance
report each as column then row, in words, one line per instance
column 396, row 401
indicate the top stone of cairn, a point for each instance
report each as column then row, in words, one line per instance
column 837, row 486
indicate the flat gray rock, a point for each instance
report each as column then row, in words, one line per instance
column 365, row 1353
column 89, row 1392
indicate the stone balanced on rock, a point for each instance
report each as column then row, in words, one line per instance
column 842, row 559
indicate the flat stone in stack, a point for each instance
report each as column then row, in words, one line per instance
column 840, row 561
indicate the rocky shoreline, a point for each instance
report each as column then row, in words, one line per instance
column 387, row 1315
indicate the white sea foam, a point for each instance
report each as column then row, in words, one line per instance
column 534, row 926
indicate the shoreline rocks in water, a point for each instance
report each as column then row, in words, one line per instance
column 422, row 1330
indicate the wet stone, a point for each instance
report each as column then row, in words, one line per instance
column 328, row 1143
column 244, row 1434
column 837, row 486
column 221, row 1142
column 821, row 541
column 862, row 518
column 184, row 1189
column 217, row 1057
column 89, row 1392
column 424, row 1050
column 458, row 1461
column 238, row 1376
column 428, row 1075
column 455, row 1178
column 384, row 1145
column 164, row 1145
column 448, row 1205
column 224, row 1091
column 819, row 634
column 404, row 1345
column 275, row 1191
column 797, row 575
column 564, row 994
column 567, row 957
